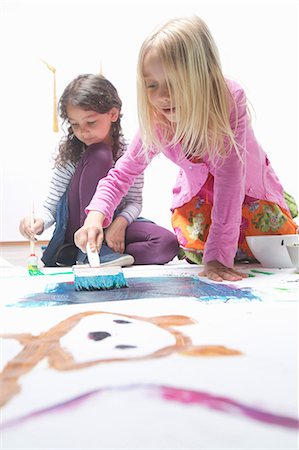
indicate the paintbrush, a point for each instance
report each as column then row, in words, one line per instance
column 92, row 277
column 32, row 263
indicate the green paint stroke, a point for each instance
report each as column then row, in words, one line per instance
column 60, row 273
column 260, row 271
column 38, row 272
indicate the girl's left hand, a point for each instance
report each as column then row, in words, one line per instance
column 216, row 271
column 115, row 234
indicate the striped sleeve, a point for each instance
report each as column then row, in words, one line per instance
column 60, row 180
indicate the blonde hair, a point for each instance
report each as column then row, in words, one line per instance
column 197, row 88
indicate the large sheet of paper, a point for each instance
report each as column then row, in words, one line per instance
column 173, row 361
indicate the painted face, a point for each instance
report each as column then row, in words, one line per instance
column 94, row 337
column 157, row 90
column 91, row 127
column 111, row 337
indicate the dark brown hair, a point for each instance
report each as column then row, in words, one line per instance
column 90, row 92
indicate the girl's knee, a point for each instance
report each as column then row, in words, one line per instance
column 155, row 245
column 172, row 248
column 168, row 247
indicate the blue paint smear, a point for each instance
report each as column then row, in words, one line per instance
column 142, row 287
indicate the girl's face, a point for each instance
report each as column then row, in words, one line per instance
column 91, row 127
column 157, row 91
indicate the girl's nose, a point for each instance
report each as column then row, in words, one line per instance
column 83, row 131
column 164, row 93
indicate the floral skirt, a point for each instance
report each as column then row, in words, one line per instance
column 191, row 223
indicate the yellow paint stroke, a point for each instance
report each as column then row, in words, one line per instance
column 46, row 345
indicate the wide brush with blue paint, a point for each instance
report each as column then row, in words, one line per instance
column 92, row 277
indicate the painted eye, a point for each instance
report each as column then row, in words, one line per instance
column 98, row 335
column 121, row 321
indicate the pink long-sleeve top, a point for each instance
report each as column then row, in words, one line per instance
column 234, row 178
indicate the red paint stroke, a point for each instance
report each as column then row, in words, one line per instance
column 227, row 405
column 169, row 393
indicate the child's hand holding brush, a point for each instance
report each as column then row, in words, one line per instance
column 29, row 228
column 91, row 232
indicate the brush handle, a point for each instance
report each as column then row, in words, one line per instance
column 93, row 257
column 32, row 243
column 32, row 248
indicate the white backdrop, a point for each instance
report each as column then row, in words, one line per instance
column 258, row 44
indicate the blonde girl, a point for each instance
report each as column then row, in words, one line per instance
column 226, row 188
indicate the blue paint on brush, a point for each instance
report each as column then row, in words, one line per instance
column 91, row 283
column 139, row 288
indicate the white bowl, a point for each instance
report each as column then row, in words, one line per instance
column 293, row 251
column 271, row 251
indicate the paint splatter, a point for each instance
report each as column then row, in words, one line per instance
column 173, row 394
column 142, row 287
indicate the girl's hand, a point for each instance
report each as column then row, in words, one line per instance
column 29, row 232
column 115, row 234
column 91, row 231
column 216, row 271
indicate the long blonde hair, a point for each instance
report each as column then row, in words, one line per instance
column 197, row 88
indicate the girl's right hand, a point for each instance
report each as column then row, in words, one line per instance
column 29, row 232
column 91, row 232
column 216, row 271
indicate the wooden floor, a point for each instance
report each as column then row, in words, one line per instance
column 17, row 253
